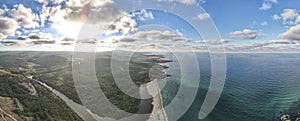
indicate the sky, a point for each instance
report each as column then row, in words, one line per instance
column 243, row 26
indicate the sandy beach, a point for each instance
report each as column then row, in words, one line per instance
column 158, row 113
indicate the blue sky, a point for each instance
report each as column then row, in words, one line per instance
column 233, row 15
column 240, row 22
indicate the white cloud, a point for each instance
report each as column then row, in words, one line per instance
column 202, row 1
column 150, row 36
column 123, row 25
column 76, row 13
column 45, row 11
column 156, row 35
column 40, row 36
column 288, row 16
column 292, row 33
column 213, row 42
column 2, row 12
column 105, row 13
column 298, row 19
column 143, row 15
column 264, row 23
column 187, row 2
column 267, row 4
column 52, row 1
column 266, row 46
column 276, row 17
column 245, row 34
column 203, row 16
column 2, row 36
column 8, row 26
column 25, row 16
column 91, row 3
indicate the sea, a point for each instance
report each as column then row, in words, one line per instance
column 258, row 87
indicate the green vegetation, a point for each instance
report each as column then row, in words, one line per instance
column 44, row 107
column 3, row 73
column 55, row 69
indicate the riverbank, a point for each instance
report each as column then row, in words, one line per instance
column 80, row 110
column 158, row 112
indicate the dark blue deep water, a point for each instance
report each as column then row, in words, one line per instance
column 258, row 87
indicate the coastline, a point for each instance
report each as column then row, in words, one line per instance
column 158, row 113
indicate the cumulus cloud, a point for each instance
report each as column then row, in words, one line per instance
column 123, row 25
column 293, row 33
column 2, row 36
column 298, row 19
column 203, row 16
column 62, row 15
column 276, row 17
column 143, row 15
column 245, row 34
column 213, row 42
column 148, row 36
column 96, row 11
column 8, row 26
column 19, row 17
column 2, row 12
column 289, row 15
column 25, row 16
column 267, row 4
column 77, row 13
column 154, row 35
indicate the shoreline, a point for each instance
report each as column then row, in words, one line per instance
column 158, row 113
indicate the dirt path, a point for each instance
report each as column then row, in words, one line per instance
column 4, row 115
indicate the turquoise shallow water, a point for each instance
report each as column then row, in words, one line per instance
column 258, row 87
